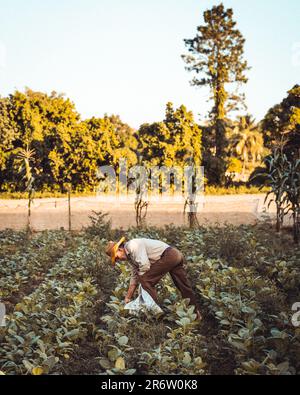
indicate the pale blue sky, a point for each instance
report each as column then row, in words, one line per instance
column 123, row 56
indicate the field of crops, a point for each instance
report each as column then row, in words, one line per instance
column 65, row 308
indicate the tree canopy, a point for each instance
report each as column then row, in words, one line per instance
column 281, row 125
column 64, row 149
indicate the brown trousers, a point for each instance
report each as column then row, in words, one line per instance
column 171, row 262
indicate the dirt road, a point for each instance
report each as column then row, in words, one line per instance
column 52, row 213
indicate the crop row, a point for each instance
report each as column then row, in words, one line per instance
column 128, row 343
column 46, row 326
column 262, row 342
column 29, row 262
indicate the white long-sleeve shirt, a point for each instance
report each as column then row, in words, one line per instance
column 142, row 253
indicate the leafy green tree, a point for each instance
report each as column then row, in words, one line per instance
column 216, row 57
column 45, row 124
column 185, row 137
column 126, row 141
column 152, row 142
column 172, row 142
column 214, row 165
column 114, row 141
column 8, row 134
column 27, row 113
column 281, row 125
column 75, row 161
column 68, row 151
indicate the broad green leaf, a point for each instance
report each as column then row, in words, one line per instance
column 120, row 363
column 104, row 363
column 184, row 321
column 186, row 360
column 123, row 340
column 113, row 354
column 28, row 365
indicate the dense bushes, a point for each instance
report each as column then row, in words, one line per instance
column 67, row 150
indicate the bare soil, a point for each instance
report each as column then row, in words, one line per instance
column 52, row 213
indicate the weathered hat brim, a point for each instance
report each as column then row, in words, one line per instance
column 115, row 249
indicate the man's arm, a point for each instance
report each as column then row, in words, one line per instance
column 130, row 292
column 134, row 282
column 140, row 266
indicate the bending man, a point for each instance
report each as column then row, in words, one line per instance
column 150, row 260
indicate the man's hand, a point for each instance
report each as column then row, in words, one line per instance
column 130, row 292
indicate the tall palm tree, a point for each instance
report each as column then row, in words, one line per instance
column 247, row 141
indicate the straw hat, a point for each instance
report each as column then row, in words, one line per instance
column 112, row 248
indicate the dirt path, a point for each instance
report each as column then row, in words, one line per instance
column 52, row 213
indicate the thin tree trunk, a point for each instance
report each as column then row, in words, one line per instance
column 278, row 218
column 295, row 226
column 192, row 213
column 69, row 208
column 29, row 212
